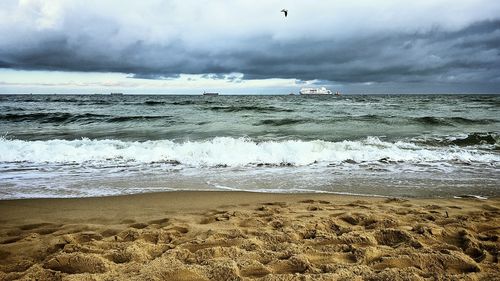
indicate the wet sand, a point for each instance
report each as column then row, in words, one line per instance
column 249, row 236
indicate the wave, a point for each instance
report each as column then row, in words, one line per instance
column 186, row 102
column 99, row 102
column 466, row 140
column 77, row 100
column 119, row 119
column 65, row 100
column 236, row 152
column 450, row 121
column 476, row 139
column 49, row 117
column 366, row 118
column 427, row 120
column 282, row 122
column 463, row 120
column 261, row 109
column 64, row 117
column 153, row 102
column 12, row 108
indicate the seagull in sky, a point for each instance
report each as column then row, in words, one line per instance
column 285, row 11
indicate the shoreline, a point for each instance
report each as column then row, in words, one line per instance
column 230, row 235
column 221, row 190
column 154, row 200
column 158, row 199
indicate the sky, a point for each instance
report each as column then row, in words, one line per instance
column 249, row 47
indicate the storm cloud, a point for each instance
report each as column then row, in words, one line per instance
column 438, row 41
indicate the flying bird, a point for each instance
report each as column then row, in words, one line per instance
column 285, row 11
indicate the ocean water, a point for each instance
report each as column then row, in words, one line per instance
column 379, row 145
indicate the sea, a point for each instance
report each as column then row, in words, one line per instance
column 54, row 146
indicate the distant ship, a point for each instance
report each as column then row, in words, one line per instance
column 315, row 91
column 117, row 94
column 210, row 94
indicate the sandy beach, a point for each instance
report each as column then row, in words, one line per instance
column 249, row 236
column 180, row 140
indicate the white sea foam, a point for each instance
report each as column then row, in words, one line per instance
column 234, row 152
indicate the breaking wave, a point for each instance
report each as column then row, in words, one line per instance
column 236, row 152
column 476, row 139
column 491, row 140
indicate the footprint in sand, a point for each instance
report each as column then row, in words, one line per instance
column 313, row 208
column 392, row 237
column 34, row 226
column 77, row 263
column 454, row 263
column 40, row 228
column 86, row 236
column 216, row 216
column 161, row 222
column 280, row 204
column 110, row 232
column 138, row 225
column 11, row 240
column 129, row 235
column 4, row 254
column 352, row 219
column 253, row 269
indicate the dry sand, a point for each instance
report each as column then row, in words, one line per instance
column 249, row 236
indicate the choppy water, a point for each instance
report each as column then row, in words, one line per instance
column 390, row 145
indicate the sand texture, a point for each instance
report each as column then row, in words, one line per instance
column 246, row 236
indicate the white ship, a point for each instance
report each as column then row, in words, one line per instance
column 315, row 91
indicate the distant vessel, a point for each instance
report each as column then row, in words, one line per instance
column 117, row 94
column 210, row 94
column 315, row 91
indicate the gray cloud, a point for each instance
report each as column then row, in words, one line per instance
column 155, row 76
column 397, row 50
column 434, row 56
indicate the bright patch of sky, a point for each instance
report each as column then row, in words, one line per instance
column 62, row 82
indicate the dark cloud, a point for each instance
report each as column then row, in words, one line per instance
column 432, row 56
column 435, row 56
